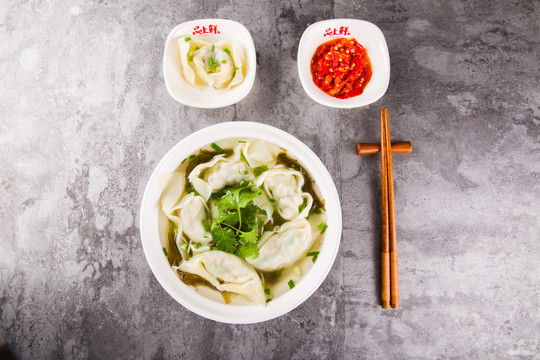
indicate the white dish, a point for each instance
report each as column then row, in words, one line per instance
column 207, row 97
column 369, row 36
column 153, row 239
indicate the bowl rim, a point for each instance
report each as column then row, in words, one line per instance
column 222, row 98
column 371, row 37
column 187, row 296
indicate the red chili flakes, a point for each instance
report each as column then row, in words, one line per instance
column 341, row 68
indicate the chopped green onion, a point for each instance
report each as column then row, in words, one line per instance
column 198, row 245
column 197, row 48
column 267, row 291
column 187, row 39
column 244, row 158
column 291, row 284
column 227, row 51
column 262, row 212
column 268, row 300
column 190, row 56
column 313, row 181
column 173, row 225
column 183, row 161
column 261, row 186
column 322, row 226
column 165, row 252
column 246, row 172
column 236, row 68
column 212, row 48
column 192, row 156
column 272, row 200
column 258, row 171
column 223, row 61
column 315, row 255
column 211, row 63
column 216, row 147
column 241, row 141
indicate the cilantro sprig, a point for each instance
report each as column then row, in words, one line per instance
column 236, row 228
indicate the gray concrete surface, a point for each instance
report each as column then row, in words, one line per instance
column 85, row 117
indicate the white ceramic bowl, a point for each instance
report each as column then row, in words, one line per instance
column 153, row 239
column 207, row 97
column 369, row 36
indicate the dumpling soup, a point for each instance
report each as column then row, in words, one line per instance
column 245, row 221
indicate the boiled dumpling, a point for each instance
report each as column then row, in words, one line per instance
column 213, row 65
column 192, row 212
column 285, row 187
column 219, row 65
column 173, row 184
column 214, row 175
column 257, row 153
column 283, row 246
column 226, row 272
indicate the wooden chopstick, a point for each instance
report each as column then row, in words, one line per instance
column 385, row 255
column 394, row 278
column 402, row 147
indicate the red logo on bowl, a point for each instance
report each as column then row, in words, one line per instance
column 341, row 31
column 205, row 30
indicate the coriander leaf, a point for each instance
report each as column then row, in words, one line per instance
column 245, row 196
column 249, row 237
column 248, row 252
column 248, row 214
column 229, row 218
column 225, row 239
column 206, row 225
column 229, row 201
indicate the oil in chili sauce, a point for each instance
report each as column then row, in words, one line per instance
column 341, row 68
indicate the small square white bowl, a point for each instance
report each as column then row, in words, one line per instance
column 369, row 36
column 207, row 97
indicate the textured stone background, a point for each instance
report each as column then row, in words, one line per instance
column 85, row 117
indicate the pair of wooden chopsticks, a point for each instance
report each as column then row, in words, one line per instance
column 389, row 255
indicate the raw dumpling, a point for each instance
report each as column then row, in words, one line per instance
column 285, row 187
column 283, row 246
column 226, row 272
column 214, row 175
